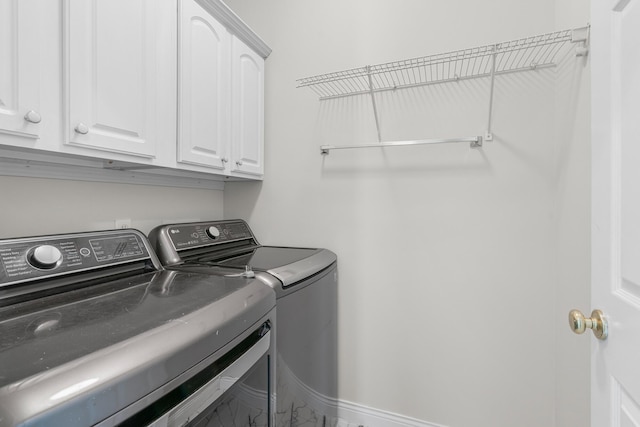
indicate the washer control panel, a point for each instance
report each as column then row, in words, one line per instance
column 194, row 235
column 39, row 257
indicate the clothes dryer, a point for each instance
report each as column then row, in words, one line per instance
column 305, row 281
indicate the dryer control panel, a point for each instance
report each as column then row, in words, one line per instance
column 194, row 235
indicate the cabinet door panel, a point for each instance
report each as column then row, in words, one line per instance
column 203, row 113
column 19, row 67
column 111, row 75
column 248, row 110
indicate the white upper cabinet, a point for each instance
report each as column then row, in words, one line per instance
column 247, row 141
column 204, row 90
column 111, row 75
column 165, row 88
column 20, row 63
column 220, row 92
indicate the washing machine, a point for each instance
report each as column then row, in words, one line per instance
column 94, row 332
column 305, row 281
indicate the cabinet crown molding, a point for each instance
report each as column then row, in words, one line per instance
column 237, row 26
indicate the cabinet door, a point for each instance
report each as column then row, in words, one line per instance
column 247, row 101
column 111, row 74
column 20, row 33
column 203, row 111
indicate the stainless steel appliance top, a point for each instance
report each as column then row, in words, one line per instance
column 90, row 323
column 232, row 244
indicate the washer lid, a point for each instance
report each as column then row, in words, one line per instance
column 289, row 265
column 81, row 356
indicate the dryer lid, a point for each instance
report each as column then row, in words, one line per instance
column 290, row 265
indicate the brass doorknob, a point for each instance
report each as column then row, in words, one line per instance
column 597, row 322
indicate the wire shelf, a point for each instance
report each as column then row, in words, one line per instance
column 511, row 56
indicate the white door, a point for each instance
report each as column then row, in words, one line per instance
column 615, row 56
column 20, row 32
column 247, row 101
column 203, row 112
column 112, row 74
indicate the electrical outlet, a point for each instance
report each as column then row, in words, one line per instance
column 123, row 223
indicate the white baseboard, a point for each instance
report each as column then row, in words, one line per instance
column 354, row 415
column 301, row 406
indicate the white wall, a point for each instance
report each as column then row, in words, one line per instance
column 32, row 206
column 573, row 204
column 450, row 258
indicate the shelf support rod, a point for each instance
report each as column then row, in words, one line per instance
column 373, row 102
column 474, row 142
column 488, row 136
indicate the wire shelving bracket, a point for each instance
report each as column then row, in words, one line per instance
column 525, row 54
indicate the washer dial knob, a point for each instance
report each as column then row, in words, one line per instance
column 213, row 232
column 45, row 256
